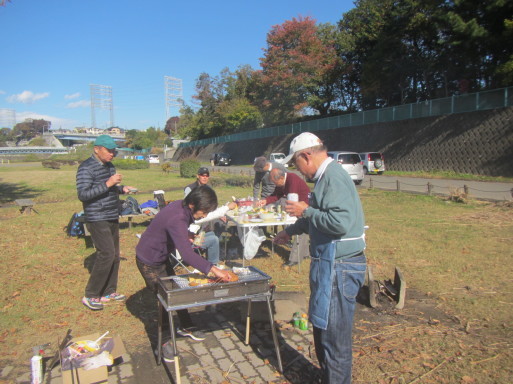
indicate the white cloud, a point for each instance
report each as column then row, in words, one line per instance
column 27, row 97
column 78, row 104
column 57, row 122
column 72, row 96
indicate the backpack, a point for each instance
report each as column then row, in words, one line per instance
column 130, row 206
column 75, row 226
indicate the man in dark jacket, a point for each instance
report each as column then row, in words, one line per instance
column 98, row 188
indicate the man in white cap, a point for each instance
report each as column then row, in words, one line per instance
column 334, row 219
column 98, row 188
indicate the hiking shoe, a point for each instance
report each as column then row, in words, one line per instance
column 92, row 303
column 112, row 297
column 168, row 353
column 191, row 332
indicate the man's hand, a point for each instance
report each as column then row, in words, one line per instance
column 128, row 189
column 220, row 273
column 114, row 180
column 281, row 238
column 295, row 208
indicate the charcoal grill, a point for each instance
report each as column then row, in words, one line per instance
column 174, row 293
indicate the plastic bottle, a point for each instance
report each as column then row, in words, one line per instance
column 296, row 319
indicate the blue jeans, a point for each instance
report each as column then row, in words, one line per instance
column 211, row 244
column 333, row 346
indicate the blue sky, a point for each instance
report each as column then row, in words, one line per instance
column 52, row 50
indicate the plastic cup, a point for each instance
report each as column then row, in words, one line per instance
column 293, row 197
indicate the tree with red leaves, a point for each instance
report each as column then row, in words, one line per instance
column 297, row 70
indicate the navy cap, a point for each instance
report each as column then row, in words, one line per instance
column 203, row 171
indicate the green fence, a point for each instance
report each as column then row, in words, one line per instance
column 497, row 98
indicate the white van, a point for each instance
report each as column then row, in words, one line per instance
column 278, row 158
column 154, row 159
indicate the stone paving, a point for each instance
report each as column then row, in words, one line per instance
column 221, row 358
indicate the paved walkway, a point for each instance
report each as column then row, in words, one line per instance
column 221, row 358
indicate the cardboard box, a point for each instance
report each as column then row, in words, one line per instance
column 113, row 344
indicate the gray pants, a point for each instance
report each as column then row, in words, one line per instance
column 300, row 248
column 104, row 275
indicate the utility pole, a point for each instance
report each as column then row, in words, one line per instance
column 173, row 87
column 101, row 98
column 7, row 118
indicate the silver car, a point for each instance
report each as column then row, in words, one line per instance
column 351, row 162
column 373, row 162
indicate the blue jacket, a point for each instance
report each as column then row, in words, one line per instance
column 334, row 213
column 100, row 202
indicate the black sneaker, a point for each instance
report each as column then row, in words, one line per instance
column 168, row 353
column 191, row 332
column 290, row 263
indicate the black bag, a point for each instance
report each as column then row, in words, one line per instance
column 130, row 206
column 75, row 226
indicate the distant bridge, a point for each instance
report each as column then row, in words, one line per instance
column 68, row 138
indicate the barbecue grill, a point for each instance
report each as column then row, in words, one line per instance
column 174, row 293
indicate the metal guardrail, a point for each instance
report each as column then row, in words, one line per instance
column 471, row 102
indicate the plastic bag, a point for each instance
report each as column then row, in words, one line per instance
column 252, row 240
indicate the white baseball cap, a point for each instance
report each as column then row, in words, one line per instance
column 300, row 142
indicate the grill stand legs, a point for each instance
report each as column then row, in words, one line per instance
column 248, row 326
column 273, row 331
column 159, row 341
column 248, row 323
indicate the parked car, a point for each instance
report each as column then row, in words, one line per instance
column 278, row 157
column 220, row 159
column 351, row 162
column 154, row 159
column 373, row 162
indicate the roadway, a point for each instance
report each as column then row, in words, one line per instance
column 481, row 190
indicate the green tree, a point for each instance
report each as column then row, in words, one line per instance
column 238, row 115
column 478, row 38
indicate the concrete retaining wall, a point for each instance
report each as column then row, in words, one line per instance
column 476, row 143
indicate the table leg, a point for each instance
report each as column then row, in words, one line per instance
column 275, row 338
column 298, row 253
column 130, row 222
column 248, row 322
column 244, row 229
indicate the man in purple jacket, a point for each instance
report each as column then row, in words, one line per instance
column 167, row 233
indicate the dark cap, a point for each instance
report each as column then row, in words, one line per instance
column 203, row 171
column 260, row 163
column 105, row 141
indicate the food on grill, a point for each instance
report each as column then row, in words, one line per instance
column 195, row 281
column 232, row 276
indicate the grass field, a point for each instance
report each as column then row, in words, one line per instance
column 458, row 255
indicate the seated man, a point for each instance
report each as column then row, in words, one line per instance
column 213, row 222
column 289, row 182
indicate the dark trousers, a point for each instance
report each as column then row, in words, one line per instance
column 104, row 275
column 151, row 274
